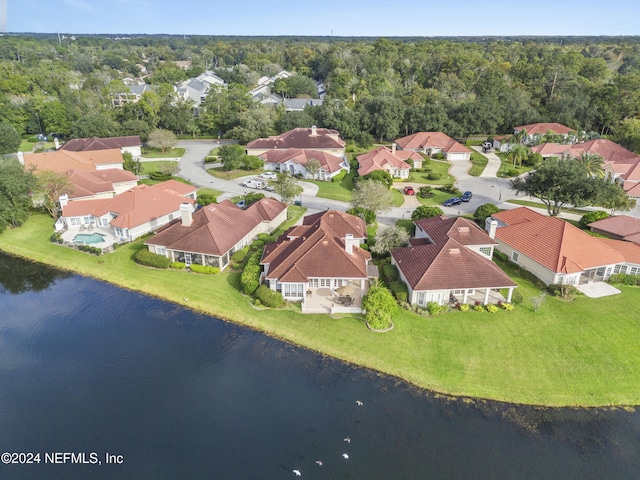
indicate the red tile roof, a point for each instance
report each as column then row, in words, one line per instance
column 95, row 143
column 380, row 158
column 316, row 249
column 444, row 262
column 329, row 162
column 542, row 128
column 630, row 251
column 61, row 160
column 216, row 228
column 134, row 207
column 622, row 226
column 303, row 138
column 439, row 140
column 86, row 184
column 552, row 242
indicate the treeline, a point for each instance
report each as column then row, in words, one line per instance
column 376, row 88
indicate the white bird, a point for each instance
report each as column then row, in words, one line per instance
column 359, row 403
column 297, row 472
column 319, row 462
column 347, row 439
column 345, row 456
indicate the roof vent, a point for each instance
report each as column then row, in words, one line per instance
column 463, row 229
column 454, row 251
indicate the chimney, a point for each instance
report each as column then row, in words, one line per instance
column 491, row 225
column 64, row 200
column 393, row 148
column 187, row 217
column 314, row 131
column 349, row 243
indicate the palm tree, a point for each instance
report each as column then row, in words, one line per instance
column 592, row 163
column 521, row 137
column 518, row 154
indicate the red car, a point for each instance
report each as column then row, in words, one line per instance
column 409, row 191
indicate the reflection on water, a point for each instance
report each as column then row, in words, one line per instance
column 87, row 367
column 18, row 275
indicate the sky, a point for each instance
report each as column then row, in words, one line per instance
column 371, row 18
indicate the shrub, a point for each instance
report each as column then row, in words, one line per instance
column 464, row 307
column 391, row 273
column 434, row 308
column 483, row 211
column 206, row 199
column 268, row 297
column 339, row 177
column 399, row 290
column 426, row 192
column 257, row 245
column 149, row 259
column 438, row 156
column 591, row 217
column 492, row 308
column 512, row 172
column 264, row 237
column 250, row 278
column 369, row 216
column 426, row 211
column 239, row 255
column 89, row 249
column 252, row 197
column 380, row 305
column 478, row 308
column 624, row 279
column 381, row 176
column 449, row 188
column 205, row 269
column 178, row 265
column 507, row 306
column 159, row 176
column 55, row 238
column 503, row 257
column 562, row 290
column 434, row 176
column 210, row 159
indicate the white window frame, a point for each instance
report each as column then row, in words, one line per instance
column 515, row 256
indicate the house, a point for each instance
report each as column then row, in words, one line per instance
column 99, row 183
column 133, row 94
column 131, row 144
column 630, row 252
column 432, row 143
column 621, row 166
column 62, row 160
column 294, row 161
column 321, row 139
column 320, row 263
column 131, row 214
column 390, row 160
column 299, row 104
column 196, row 89
column 212, row 234
column 553, row 250
column 618, row 227
column 535, row 131
column 450, row 259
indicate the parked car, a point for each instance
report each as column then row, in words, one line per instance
column 466, row 196
column 255, row 183
column 452, row 201
column 269, row 175
column 408, row 190
column 269, row 188
column 240, row 204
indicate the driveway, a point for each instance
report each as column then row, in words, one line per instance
column 493, row 164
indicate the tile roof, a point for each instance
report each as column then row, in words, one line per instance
column 216, row 227
column 95, row 143
column 380, row 158
column 303, row 138
column 622, row 226
column 62, row 160
column 134, row 207
column 331, row 163
column 316, row 249
column 552, row 242
column 431, row 140
column 542, row 128
column 442, row 261
column 87, row 184
column 630, row 251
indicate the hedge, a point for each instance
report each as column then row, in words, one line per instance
column 391, row 273
column 159, row 176
column 145, row 257
column 250, row 278
column 339, row 177
column 624, row 278
column 206, row 269
column 591, row 217
column 239, row 255
column 399, row 290
column 178, row 265
column 268, row 297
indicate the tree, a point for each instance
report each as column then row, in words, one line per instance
column 162, row 139
column 231, row 156
column 612, row 197
column 591, row 217
column 517, row 154
column 287, row 187
column 381, row 176
column 592, row 163
column 169, row 168
column 368, row 216
column 483, row 211
column 372, row 195
column 426, row 191
column 388, row 238
column 9, row 139
column 16, row 185
column 313, row 167
column 380, row 305
column 426, row 211
column 559, row 182
column 51, row 185
column 131, row 165
column 95, row 124
column 385, row 115
column 628, row 134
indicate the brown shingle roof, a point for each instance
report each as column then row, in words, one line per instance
column 319, row 250
column 431, row 140
column 622, row 226
column 330, row 163
column 552, row 242
column 542, row 128
column 61, row 160
column 301, row 138
column 444, row 262
column 95, row 143
column 86, row 184
column 380, row 158
column 216, row 227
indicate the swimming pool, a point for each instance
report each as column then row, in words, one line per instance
column 88, row 238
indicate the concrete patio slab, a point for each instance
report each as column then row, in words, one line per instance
column 598, row 289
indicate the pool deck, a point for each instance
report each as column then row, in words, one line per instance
column 108, row 242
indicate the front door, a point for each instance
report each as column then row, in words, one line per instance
column 187, row 259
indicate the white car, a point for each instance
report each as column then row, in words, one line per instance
column 269, row 175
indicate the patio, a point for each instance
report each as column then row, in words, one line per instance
column 479, row 295
column 69, row 235
column 344, row 299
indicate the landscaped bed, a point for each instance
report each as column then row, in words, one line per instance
column 583, row 352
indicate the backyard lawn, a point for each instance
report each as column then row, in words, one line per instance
column 440, row 167
column 148, row 152
column 583, row 352
column 340, row 190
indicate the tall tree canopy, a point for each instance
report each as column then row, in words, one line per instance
column 16, row 186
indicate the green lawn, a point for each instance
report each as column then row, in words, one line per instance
column 219, row 172
column 397, row 197
column 479, row 162
column 507, row 165
column 438, row 197
column 210, row 191
column 27, row 145
column 528, row 203
column 156, row 153
column 340, row 190
column 435, row 166
column 147, row 168
column 584, row 352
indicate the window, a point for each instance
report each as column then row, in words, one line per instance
column 292, row 290
column 618, row 268
column 634, row 270
column 161, row 251
column 421, row 297
column 458, row 292
column 337, row 282
column 514, row 257
column 325, row 282
column 74, row 221
column 313, row 283
column 486, row 251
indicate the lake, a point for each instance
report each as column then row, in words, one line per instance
column 88, row 369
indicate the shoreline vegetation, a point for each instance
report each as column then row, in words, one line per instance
column 582, row 353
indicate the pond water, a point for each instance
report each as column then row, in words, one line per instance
column 88, row 368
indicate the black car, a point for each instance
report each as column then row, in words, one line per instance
column 466, row 196
column 452, row 201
